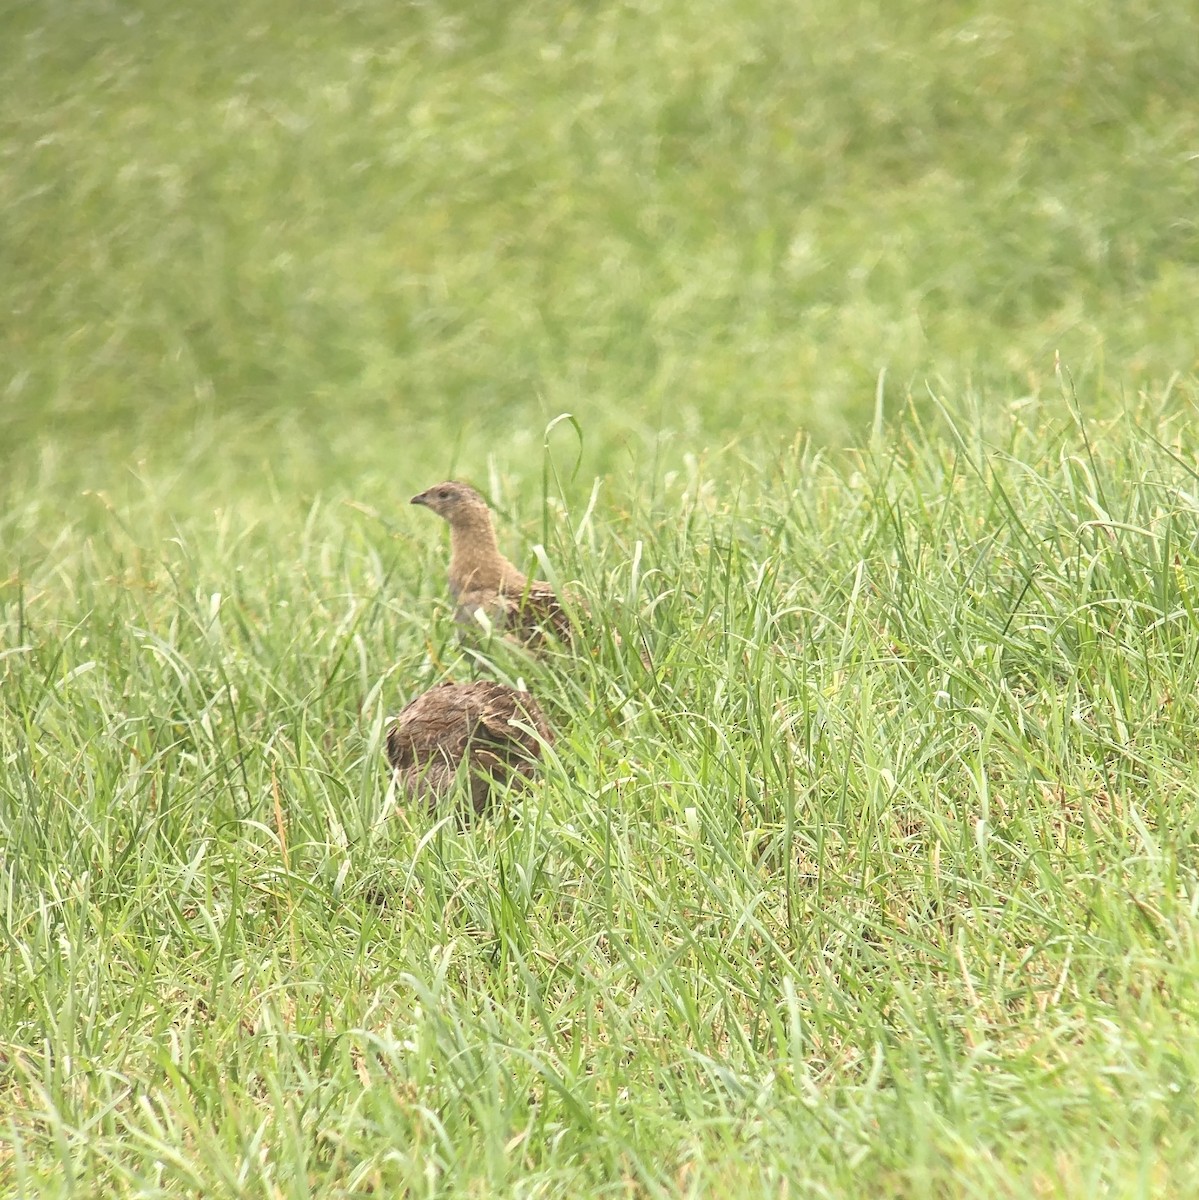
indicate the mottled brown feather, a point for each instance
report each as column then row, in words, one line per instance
column 495, row 730
column 529, row 617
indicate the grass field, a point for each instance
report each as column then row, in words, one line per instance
column 883, row 882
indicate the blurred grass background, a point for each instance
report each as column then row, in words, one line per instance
column 386, row 237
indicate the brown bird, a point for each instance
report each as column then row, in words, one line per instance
column 487, row 590
column 496, row 730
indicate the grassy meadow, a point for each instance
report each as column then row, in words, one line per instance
column 875, row 326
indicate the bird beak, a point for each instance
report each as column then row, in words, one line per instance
column 419, row 500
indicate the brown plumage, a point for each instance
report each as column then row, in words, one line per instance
column 486, row 724
column 488, row 591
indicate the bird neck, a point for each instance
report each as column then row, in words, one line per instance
column 475, row 558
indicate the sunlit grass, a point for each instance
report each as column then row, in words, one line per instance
column 884, row 879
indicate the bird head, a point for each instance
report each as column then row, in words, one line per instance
column 452, row 501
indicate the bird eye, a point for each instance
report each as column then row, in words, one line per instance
column 444, row 494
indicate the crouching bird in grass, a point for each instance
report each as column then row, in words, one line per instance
column 487, row 590
column 491, row 732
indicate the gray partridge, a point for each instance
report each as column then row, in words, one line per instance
column 489, row 591
column 496, row 730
